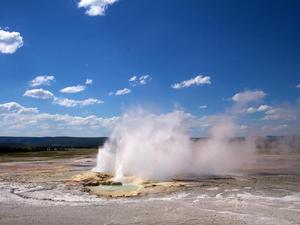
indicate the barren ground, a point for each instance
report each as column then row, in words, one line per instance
column 33, row 190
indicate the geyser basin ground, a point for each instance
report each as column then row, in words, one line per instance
column 33, row 190
column 123, row 190
column 104, row 185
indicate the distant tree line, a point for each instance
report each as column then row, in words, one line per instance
column 28, row 148
column 35, row 144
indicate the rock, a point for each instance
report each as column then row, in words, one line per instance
column 116, row 183
column 90, row 182
column 90, row 179
column 108, row 182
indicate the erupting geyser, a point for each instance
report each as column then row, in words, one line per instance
column 151, row 146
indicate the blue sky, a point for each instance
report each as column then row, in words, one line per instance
column 194, row 55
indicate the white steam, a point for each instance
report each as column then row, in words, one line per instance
column 151, row 146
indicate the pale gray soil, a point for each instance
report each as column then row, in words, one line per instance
column 32, row 191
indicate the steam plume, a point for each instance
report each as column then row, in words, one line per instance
column 158, row 146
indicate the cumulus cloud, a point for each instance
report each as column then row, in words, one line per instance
column 16, row 119
column 248, row 96
column 73, row 89
column 88, row 81
column 41, row 80
column 142, row 80
column 203, row 106
column 133, row 79
column 66, row 102
column 10, row 41
column 123, row 91
column 198, row 80
column 261, row 108
column 95, row 7
column 251, row 110
column 39, row 93
column 284, row 114
column 14, row 107
column 72, row 103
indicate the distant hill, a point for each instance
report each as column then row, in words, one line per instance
column 29, row 144
column 24, row 144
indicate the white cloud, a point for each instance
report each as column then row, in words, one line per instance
column 88, row 81
column 281, row 126
column 261, row 108
column 16, row 119
column 95, row 7
column 203, row 106
column 90, row 101
column 198, row 80
column 38, row 93
column 14, row 107
column 42, row 80
column 10, row 41
column 142, row 80
column 73, row 103
column 251, row 110
column 73, row 89
column 133, row 79
column 278, row 129
column 44, row 94
column 242, row 127
column 248, row 96
column 123, row 91
column 298, row 86
column 284, row 114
